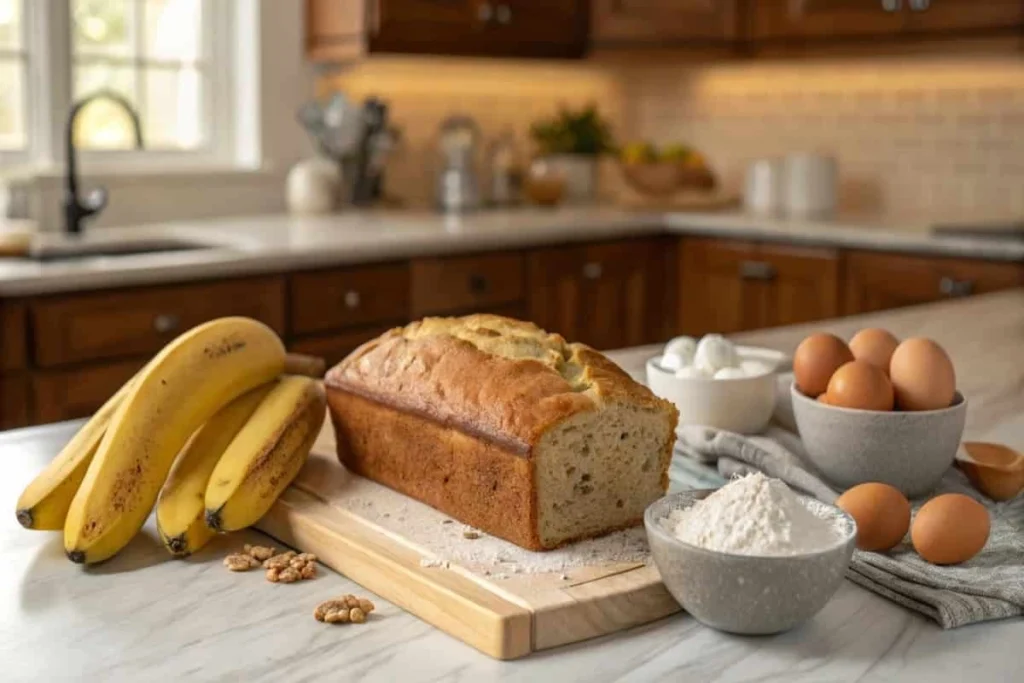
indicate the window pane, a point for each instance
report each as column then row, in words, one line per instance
column 103, row 124
column 103, row 27
column 173, row 30
column 173, row 106
column 12, row 105
column 10, row 23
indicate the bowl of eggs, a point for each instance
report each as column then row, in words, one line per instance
column 877, row 409
column 716, row 383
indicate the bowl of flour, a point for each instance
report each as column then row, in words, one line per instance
column 752, row 557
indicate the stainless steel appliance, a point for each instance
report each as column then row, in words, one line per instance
column 458, row 185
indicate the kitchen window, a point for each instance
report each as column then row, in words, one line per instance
column 171, row 59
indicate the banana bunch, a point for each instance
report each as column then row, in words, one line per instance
column 211, row 431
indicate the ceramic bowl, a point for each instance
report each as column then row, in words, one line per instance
column 743, row 405
column 908, row 450
column 746, row 594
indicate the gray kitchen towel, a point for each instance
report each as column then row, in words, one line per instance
column 988, row 586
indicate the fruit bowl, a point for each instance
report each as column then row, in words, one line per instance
column 658, row 178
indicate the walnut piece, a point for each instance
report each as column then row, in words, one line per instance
column 290, row 567
column 343, row 610
column 259, row 552
column 240, row 562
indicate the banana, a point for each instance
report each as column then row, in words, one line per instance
column 45, row 501
column 192, row 378
column 266, row 454
column 180, row 510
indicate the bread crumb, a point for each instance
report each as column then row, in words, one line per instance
column 471, row 534
column 565, row 577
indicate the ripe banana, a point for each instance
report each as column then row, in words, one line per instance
column 44, row 502
column 192, row 378
column 181, row 509
column 266, row 454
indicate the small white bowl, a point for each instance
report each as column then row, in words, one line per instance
column 743, row 405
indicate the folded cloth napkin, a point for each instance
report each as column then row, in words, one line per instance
column 989, row 586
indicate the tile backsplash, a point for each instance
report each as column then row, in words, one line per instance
column 912, row 136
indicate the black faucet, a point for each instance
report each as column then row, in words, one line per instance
column 76, row 210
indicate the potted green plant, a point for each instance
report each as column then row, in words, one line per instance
column 571, row 142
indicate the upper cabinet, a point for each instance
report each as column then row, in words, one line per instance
column 663, row 22
column 340, row 30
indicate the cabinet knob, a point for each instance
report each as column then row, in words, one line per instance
column 949, row 286
column 593, row 270
column 477, row 284
column 352, row 299
column 503, row 14
column 757, row 270
column 891, row 5
column 165, row 323
column 485, row 12
column 920, row 5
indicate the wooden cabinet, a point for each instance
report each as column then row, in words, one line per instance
column 343, row 298
column 729, row 286
column 333, row 347
column 118, row 323
column 66, row 394
column 14, row 401
column 12, row 335
column 878, row 281
column 466, row 284
column 340, row 30
column 609, row 295
column 825, row 19
column 663, row 22
column 940, row 16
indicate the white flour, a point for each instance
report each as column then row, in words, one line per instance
column 756, row 515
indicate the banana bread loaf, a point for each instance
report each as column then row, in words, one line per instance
column 504, row 427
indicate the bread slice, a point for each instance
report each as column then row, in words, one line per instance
column 503, row 426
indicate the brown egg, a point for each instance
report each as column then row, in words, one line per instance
column 874, row 346
column 882, row 514
column 950, row 529
column 860, row 385
column 922, row 375
column 814, row 361
column 823, row 398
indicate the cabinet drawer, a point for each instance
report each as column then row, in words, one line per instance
column 446, row 285
column 335, row 299
column 67, row 394
column 120, row 323
column 14, row 401
column 12, row 335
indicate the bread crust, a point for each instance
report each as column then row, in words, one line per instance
column 450, row 410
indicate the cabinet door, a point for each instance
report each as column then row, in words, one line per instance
column 662, row 21
column 425, row 26
column 458, row 284
column 876, row 281
column 931, row 16
column 730, row 286
column 14, row 401
column 801, row 19
column 78, row 392
column 608, row 295
column 527, row 28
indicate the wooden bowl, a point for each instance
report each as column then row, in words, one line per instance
column 657, row 178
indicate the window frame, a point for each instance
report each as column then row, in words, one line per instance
column 48, row 47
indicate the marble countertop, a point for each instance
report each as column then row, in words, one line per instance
column 146, row 617
column 266, row 244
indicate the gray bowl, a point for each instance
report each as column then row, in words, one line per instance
column 746, row 594
column 910, row 451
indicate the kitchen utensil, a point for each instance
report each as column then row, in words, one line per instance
column 747, row 594
column 810, row 185
column 458, row 187
column 743, row 405
column 342, row 126
column 908, row 450
column 763, row 193
column 368, row 181
column 505, row 171
column 504, row 614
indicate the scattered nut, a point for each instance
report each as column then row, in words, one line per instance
column 286, row 575
column 259, row 552
column 240, row 562
column 279, row 561
column 343, row 610
column 290, row 567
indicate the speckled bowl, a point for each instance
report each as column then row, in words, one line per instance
column 746, row 594
column 908, row 450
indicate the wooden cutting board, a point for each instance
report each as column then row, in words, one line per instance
column 504, row 618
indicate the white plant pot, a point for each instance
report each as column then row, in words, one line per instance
column 580, row 173
column 314, row 186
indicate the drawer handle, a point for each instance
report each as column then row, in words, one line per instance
column 477, row 284
column 166, row 323
column 352, row 299
column 593, row 270
column 757, row 270
column 952, row 287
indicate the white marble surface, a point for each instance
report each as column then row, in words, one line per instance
column 145, row 617
column 265, row 244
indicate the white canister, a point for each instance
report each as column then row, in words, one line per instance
column 763, row 193
column 810, row 185
column 314, row 186
column 580, row 174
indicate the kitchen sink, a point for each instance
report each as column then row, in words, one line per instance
column 71, row 250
